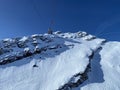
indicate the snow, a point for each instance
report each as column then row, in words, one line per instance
column 108, row 77
column 52, row 71
column 58, row 65
column 89, row 37
column 23, row 39
column 7, row 40
column 27, row 49
column 59, row 69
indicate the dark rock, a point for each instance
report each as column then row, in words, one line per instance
column 35, row 65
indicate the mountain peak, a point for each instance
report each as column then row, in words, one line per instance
column 60, row 61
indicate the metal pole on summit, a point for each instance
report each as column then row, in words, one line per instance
column 53, row 12
column 53, row 6
column 50, row 31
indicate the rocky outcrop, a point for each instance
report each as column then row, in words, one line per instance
column 19, row 48
column 26, row 53
column 79, row 78
column 13, row 49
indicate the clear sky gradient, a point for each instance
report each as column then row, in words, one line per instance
column 27, row 17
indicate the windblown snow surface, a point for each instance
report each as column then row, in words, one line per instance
column 55, row 66
column 110, row 68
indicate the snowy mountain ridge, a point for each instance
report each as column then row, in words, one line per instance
column 59, row 61
column 34, row 44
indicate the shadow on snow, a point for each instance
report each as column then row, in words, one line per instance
column 96, row 74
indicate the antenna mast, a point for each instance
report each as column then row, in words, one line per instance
column 53, row 12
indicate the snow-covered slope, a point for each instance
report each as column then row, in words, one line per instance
column 59, row 61
column 110, row 68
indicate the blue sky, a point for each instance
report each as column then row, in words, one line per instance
column 26, row 17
